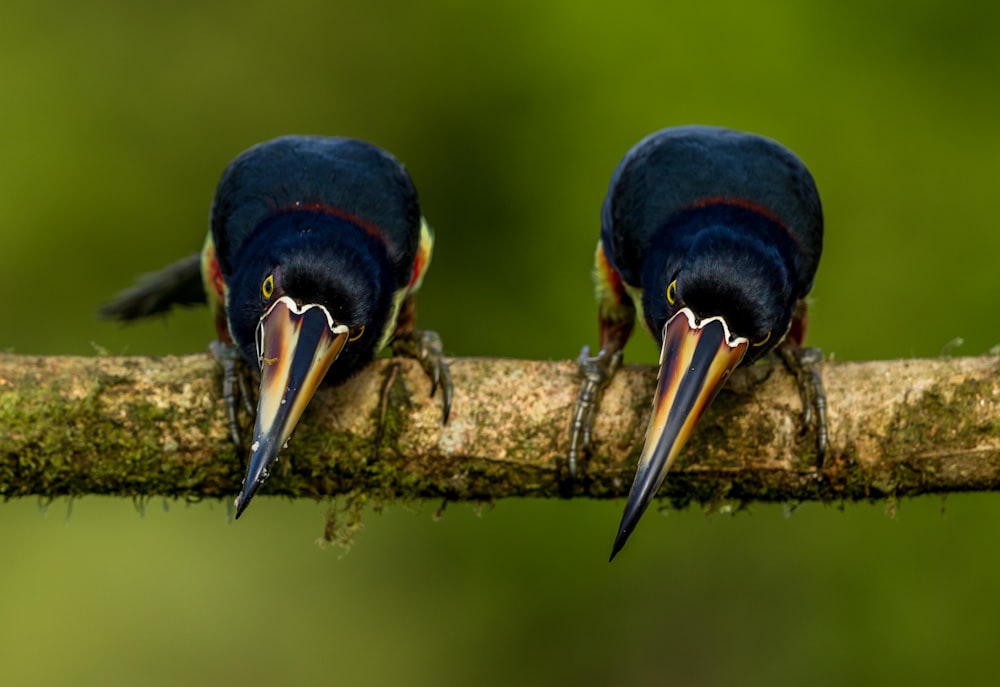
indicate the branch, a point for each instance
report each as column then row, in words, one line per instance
column 156, row 426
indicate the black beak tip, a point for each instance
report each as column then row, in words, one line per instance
column 634, row 508
column 246, row 495
column 619, row 543
column 241, row 505
column 624, row 531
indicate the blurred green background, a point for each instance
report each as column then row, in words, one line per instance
column 117, row 120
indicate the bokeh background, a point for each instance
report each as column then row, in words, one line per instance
column 116, row 120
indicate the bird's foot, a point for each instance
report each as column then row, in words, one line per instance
column 596, row 372
column 803, row 362
column 236, row 386
column 425, row 346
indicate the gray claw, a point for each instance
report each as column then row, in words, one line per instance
column 597, row 372
column 426, row 347
column 802, row 363
column 235, row 386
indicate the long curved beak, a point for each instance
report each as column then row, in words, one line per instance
column 696, row 358
column 296, row 346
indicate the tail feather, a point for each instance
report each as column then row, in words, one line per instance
column 177, row 284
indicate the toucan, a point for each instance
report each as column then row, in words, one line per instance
column 711, row 238
column 315, row 250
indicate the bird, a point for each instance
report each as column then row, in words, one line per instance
column 711, row 237
column 315, row 250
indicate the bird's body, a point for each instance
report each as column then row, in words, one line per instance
column 315, row 250
column 343, row 212
column 712, row 238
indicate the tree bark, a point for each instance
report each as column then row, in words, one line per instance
column 156, row 426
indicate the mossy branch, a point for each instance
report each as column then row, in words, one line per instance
column 155, row 426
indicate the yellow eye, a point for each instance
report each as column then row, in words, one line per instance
column 358, row 333
column 672, row 292
column 267, row 288
column 763, row 341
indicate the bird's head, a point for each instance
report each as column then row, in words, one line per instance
column 311, row 299
column 724, row 274
column 722, row 299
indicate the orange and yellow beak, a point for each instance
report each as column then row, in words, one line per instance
column 295, row 346
column 696, row 358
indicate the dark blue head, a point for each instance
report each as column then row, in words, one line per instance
column 727, row 262
column 314, row 258
column 717, row 290
column 310, row 298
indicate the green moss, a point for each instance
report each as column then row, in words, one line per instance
column 939, row 415
column 51, row 460
column 936, row 417
column 377, row 464
column 343, row 519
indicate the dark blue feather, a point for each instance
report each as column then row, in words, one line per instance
column 340, row 175
column 677, row 168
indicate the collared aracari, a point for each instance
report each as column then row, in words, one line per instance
column 316, row 248
column 711, row 237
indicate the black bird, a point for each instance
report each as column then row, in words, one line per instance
column 712, row 237
column 316, row 249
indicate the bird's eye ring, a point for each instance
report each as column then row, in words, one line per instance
column 267, row 288
column 672, row 292
column 763, row 341
column 357, row 333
